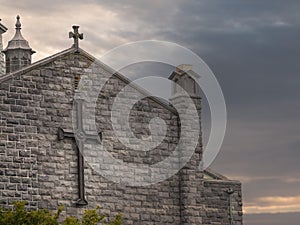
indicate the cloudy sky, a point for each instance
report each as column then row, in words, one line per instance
column 251, row 46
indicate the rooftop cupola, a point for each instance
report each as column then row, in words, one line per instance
column 18, row 52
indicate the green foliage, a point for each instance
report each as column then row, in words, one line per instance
column 20, row 216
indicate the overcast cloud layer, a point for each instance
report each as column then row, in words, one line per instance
column 251, row 46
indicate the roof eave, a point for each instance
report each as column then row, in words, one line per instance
column 92, row 58
column 34, row 65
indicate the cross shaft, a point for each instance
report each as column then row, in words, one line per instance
column 80, row 137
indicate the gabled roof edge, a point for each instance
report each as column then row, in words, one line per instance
column 34, row 65
column 129, row 82
column 92, row 58
column 215, row 174
column 219, row 177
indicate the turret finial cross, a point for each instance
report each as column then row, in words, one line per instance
column 76, row 35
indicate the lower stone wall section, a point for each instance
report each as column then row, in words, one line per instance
column 216, row 200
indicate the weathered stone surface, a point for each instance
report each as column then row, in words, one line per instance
column 38, row 168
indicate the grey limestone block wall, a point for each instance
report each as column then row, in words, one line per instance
column 38, row 168
column 216, row 202
column 41, row 170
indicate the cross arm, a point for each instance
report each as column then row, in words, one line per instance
column 68, row 133
column 64, row 133
column 71, row 34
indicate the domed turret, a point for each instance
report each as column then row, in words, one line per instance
column 18, row 52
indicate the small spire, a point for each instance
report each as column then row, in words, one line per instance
column 18, row 49
column 18, row 23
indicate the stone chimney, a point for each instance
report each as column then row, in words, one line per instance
column 3, row 29
column 189, row 175
column 18, row 52
column 185, row 77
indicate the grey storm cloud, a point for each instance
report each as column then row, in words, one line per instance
column 251, row 46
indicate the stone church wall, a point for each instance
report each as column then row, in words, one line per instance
column 41, row 170
column 38, row 168
column 216, row 202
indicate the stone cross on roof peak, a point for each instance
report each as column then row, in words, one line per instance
column 76, row 35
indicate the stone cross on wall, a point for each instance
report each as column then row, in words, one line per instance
column 76, row 35
column 80, row 137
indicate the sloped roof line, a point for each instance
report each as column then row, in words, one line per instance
column 96, row 61
column 214, row 174
column 218, row 177
column 130, row 83
column 34, row 65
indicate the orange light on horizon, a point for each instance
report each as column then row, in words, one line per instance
column 273, row 204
